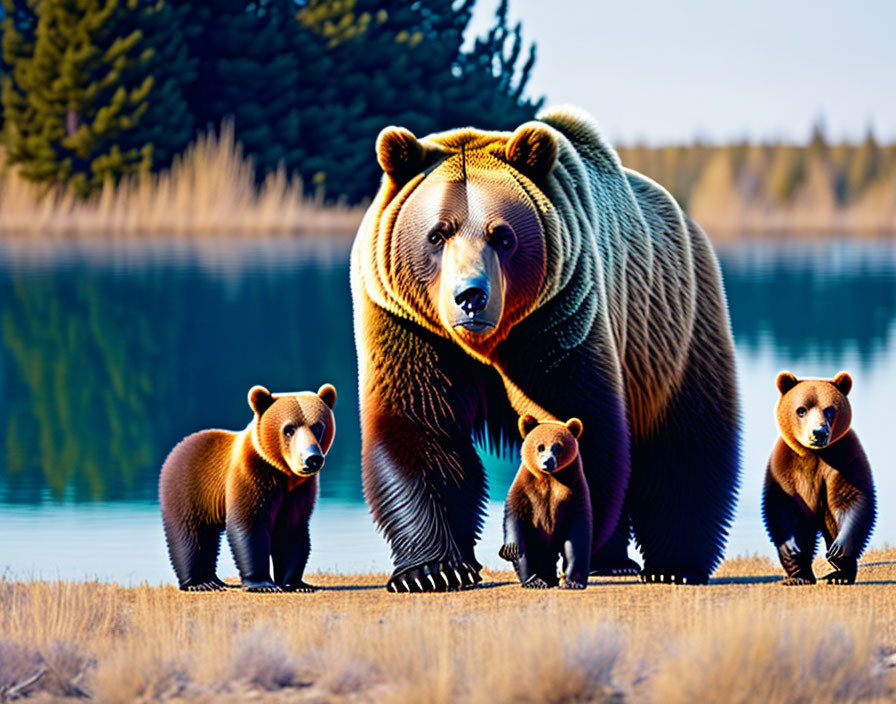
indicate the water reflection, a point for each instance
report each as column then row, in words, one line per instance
column 104, row 367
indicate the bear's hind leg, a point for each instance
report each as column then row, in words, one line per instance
column 685, row 472
column 194, row 556
column 612, row 559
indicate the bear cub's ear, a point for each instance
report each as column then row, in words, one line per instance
column 327, row 393
column 260, row 399
column 574, row 425
column 532, row 150
column 843, row 383
column 527, row 423
column 401, row 155
column 785, row 382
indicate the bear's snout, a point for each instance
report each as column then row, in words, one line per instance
column 473, row 298
column 548, row 463
column 819, row 436
column 312, row 458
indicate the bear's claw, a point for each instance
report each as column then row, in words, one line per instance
column 261, row 587
column 571, row 584
column 535, row 582
column 510, row 552
column 434, row 577
column 797, row 581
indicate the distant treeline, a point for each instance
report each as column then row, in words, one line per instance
column 743, row 189
column 96, row 91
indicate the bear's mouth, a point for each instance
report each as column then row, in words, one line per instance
column 474, row 325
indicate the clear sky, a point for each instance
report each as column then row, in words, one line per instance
column 665, row 72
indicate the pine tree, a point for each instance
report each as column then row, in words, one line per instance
column 96, row 89
column 248, row 72
column 402, row 65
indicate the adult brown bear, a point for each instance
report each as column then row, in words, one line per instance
column 498, row 274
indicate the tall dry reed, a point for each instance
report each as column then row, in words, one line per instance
column 209, row 192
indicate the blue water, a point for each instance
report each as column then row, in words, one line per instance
column 108, row 358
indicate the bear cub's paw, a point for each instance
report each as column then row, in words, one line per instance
column 212, row 585
column 261, row 587
column 300, row 586
column 510, row 552
column 624, row 568
column 535, row 582
column 797, row 581
column 571, row 584
column 838, row 577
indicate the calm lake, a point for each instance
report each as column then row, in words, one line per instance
column 109, row 359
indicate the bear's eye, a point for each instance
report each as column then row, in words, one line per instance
column 439, row 233
column 801, row 411
column 556, row 447
column 541, row 448
column 318, row 430
column 289, row 430
column 829, row 414
column 502, row 237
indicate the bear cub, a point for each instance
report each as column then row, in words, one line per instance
column 818, row 479
column 548, row 508
column 258, row 485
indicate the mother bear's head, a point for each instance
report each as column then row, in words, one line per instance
column 461, row 234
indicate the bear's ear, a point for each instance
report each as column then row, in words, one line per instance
column 401, row 155
column 260, row 399
column 575, row 427
column 785, row 382
column 327, row 393
column 527, row 423
column 532, row 150
column 843, row 383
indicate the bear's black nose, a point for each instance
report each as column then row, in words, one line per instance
column 549, row 464
column 471, row 300
column 313, row 461
column 820, row 435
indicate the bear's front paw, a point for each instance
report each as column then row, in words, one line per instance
column 213, row 585
column 838, row 577
column 535, row 582
column 571, row 584
column 300, row 586
column 263, row 587
column 434, row 577
column 660, row 575
column 798, row 580
column 510, row 552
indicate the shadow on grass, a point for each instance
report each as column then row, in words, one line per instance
column 752, row 579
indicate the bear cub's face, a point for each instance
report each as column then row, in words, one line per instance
column 813, row 413
column 550, row 446
column 294, row 430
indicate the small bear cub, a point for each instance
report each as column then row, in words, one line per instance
column 818, row 479
column 548, row 509
column 260, row 485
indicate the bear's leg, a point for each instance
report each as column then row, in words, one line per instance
column 250, row 518
column 290, row 547
column 685, row 472
column 846, row 565
column 792, row 532
column 537, row 567
column 194, row 555
column 612, row 559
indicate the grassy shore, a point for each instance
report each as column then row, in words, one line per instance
column 744, row 638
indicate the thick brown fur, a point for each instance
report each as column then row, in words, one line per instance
column 500, row 274
column 548, row 509
column 260, row 485
column 818, row 479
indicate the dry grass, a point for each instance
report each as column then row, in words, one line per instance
column 742, row 639
column 209, row 193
